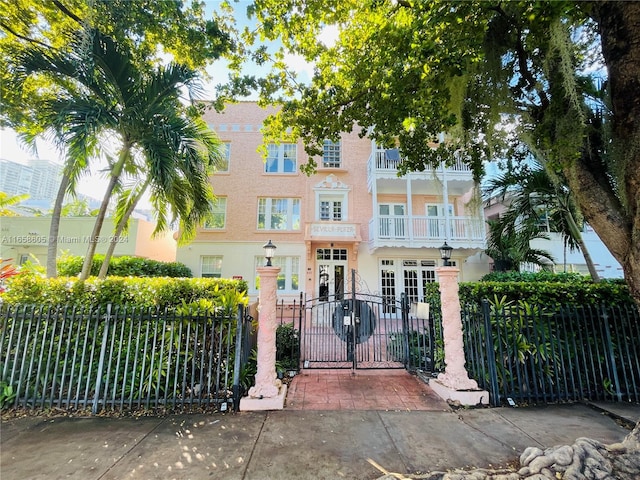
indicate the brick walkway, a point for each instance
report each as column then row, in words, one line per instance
column 364, row 390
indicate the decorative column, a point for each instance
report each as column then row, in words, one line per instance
column 269, row 392
column 454, row 384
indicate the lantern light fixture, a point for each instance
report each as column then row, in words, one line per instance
column 445, row 254
column 269, row 252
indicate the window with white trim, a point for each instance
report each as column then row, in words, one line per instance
column 332, row 207
column 331, row 210
column 289, row 275
column 218, row 216
column 223, row 167
column 331, row 157
column 211, row 266
column 278, row 214
column 281, row 158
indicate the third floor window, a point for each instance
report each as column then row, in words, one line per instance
column 331, row 157
column 281, row 158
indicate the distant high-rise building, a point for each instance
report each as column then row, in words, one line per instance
column 39, row 179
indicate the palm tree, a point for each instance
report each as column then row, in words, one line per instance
column 74, row 84
column 534, row 195
column 156, row 136
column 182, row 190
column 509, row 246
column 8, row 201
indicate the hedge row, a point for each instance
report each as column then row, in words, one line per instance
column 550, row 294
column 145, row 292
column 125, row 266
column 136, row 292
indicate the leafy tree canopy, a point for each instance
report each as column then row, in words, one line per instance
column 151, row 31
column 504, row 80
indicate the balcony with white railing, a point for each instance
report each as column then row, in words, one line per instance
column 383, row 164
column 420, row 231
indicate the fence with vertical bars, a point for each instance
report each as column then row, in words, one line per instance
column 121, row 359
column 531, row 354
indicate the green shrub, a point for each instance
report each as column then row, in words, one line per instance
column 578, row 293
column 542, row 276
column 287, row 347
column 132, row 291
column 125, row 266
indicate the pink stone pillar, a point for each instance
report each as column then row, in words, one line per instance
column 267, row 383
column 455, row 374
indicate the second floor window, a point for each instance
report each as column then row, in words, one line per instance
column 278, row 214
column 218, row 218
column 281, row 158
column 331, row 154
column 331, row 210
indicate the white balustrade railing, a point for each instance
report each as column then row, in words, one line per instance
column 414, row 228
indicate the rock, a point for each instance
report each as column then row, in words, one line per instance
column 529, row 454
column 586, row 459
column 564, row 455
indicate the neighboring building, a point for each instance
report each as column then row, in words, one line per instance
column 354, row 213
column 565, row 260
column 39, row 179
column 21, row 237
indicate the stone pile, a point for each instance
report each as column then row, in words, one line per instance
column 586, row 459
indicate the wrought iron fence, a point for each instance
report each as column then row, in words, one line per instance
column 122, row 359
column 532, row 355
column 288, row 318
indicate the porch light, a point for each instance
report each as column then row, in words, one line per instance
column 269, row 251
column 445, row 254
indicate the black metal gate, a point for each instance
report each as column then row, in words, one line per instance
column 364, row 331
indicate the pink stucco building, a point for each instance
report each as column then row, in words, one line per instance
column 353, row 214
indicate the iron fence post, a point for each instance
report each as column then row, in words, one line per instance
column 236, row 389
column 354, row 362
column 404, row 305
column 103, row 351
column 301, row 311
column 494, row 391
column 609, row 348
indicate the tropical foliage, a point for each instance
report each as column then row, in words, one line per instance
column 77, row 75
column 534, row 197
column 7, row 201
column 509, row 245
column 7, row 270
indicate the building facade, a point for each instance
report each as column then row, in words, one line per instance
column 27, row 238
column 354, row 215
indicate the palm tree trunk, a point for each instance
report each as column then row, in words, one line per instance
column 116, row 171
column 54, row 228
column 119, row 229
column 577, row 235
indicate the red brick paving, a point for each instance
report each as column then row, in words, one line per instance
column 364, row 390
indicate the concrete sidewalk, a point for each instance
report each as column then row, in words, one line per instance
column 293, row 444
